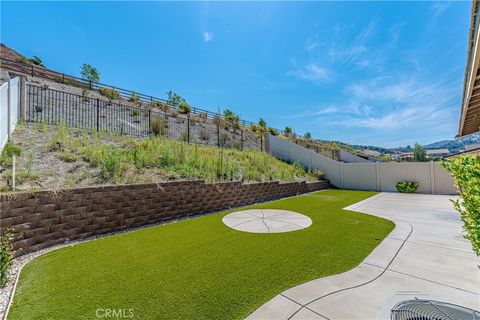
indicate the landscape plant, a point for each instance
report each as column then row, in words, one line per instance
column 134, row 97
column 36, row 61
column 110, row 93
column 288, row 131
column 232, row 118
column 407, row 186
column 174, row 99
column 92, row 158
column 6, row 255
column 184, row 108
column 89, row 72
column 262, row 123
column 272, row 131
column 466, row 171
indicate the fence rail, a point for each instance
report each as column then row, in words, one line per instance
column 39, row 71
column 53, row 106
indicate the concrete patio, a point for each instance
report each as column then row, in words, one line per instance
column 425, row 256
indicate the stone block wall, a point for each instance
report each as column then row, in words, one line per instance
column 46, row 218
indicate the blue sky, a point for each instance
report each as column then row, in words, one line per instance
column 379, row 73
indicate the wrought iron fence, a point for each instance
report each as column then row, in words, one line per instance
column 39, row 71
column 51, row 106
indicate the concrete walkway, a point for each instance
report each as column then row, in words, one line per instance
column 425, row 256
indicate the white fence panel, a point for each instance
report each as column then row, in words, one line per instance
column 351, row 158
column 292, row 152
column 380, row 176
column 14, row 103
column 393, row 172
column 359, row 176
column 9, row 109
column 443, row 181
column 3, row 115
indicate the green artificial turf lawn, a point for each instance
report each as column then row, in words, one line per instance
column 198, row 268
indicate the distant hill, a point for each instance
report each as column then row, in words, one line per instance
column 457, row 144
column 453, row 145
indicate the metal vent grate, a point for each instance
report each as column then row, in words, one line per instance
column 431, row 310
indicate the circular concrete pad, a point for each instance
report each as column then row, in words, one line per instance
column 266, row 221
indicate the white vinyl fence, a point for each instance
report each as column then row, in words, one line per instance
column 9, row 109
column 379, row 176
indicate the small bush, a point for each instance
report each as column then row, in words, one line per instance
column 158, row 126
column 10, row 149
column 161, row 106
column 135, row 113
column 111, row 94
column 272, row 131
column 134, row 97
column 318, row 173
column 111, row 165
column 407, row 186
column 231, row 118
column 184, row 108
column 6, row 255
column 262, row 123
column 67, row 156
column 24, row 60
column 174, row 99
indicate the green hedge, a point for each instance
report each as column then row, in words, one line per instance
column 466, row 171
column 407, row 186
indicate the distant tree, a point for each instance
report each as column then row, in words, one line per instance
column 288, row 130
column 89, row 72
column 36, row 61
column 262, row 123
column 419, row 153
column 307, row 135
column 174, row 99
column 232, row 118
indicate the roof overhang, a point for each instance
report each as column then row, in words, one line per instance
column 470, row 113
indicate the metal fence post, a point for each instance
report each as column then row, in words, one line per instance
column 261, row 142
column 90, row 84
column 432, row 178
column 32, row 71
column 241, row 131
column 218, row 133
column 149, row 122
column 98, row 114
column 188, row 129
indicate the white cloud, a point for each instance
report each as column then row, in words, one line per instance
column 312, row 112
column 207, row 36
column 406, row 118
column 396, row 102
column 438, row 7
column 311, row 72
